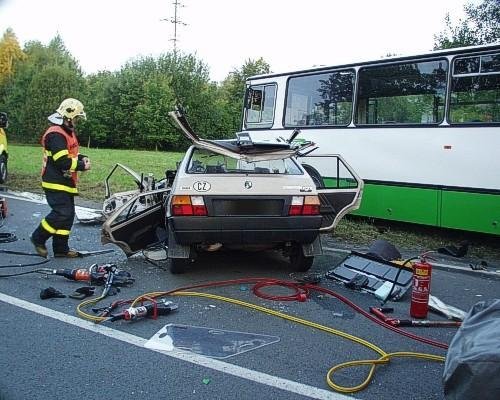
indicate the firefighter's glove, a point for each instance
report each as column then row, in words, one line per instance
column 123, row 278
column 82, row 292
column 50, row 292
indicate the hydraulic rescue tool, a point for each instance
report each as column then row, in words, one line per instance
column 96, row 274
column 379, row 313
column 153, row 309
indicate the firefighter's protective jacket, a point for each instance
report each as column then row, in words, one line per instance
column 61, row 160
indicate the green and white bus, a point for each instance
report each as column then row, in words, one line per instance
column 423, row 132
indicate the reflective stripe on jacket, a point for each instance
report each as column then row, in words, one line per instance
column 53, row 177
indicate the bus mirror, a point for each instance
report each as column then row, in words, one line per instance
column 248, row 96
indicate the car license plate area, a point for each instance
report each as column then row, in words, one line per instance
column 247, row 207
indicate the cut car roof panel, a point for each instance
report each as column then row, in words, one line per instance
column 243, row 147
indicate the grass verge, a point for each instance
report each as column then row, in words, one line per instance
column 25, row 164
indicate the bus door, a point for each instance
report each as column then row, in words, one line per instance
column 339, row 187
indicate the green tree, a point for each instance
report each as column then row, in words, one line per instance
column 99, row 101
column 190, row 81
column 39, row 83
column 129, row 108
column 46, row 91
column 10, row 51
column 481, row 26
column 150, row 117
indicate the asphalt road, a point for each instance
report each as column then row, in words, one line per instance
column 48, row 352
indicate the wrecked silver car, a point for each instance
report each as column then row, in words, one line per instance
column 235, row 194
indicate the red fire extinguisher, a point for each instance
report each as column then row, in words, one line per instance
column 420, row 289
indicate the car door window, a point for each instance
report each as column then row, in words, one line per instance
column 138, row 205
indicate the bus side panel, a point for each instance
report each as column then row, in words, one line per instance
column 471, row 211
column 398, row 203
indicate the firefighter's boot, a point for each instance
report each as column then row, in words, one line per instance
column 71, row 253
column 40, row 248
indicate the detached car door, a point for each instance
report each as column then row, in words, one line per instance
column 134, row 226
column 339, row 187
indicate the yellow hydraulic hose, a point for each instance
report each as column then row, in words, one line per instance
column 383, row 359
column 85, row 315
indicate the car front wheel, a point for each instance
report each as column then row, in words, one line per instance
column 298, row 260
column 3, row 168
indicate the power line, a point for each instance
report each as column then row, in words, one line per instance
column 176, row 21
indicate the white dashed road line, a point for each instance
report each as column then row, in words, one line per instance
column 217, row 365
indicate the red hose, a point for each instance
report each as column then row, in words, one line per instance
column 302, row 290
column 301, row 293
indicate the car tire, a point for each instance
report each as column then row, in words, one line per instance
column 3, row 168
column 298, row 261
column 179, row 265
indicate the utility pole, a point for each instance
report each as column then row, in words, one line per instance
column 176, row 21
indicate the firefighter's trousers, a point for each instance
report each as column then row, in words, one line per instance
column 57, row 224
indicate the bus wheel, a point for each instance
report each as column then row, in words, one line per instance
column 298, row 260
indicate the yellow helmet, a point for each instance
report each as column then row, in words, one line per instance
column 71, row 108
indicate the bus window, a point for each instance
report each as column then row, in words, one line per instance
column 411, row 93
column 259, row 107
column 475, row 93
column 322, row 99
column 490, row 63
column 469, row 65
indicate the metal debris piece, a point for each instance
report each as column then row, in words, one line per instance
column 448, row 311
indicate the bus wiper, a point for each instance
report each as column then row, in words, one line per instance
column 294, row 134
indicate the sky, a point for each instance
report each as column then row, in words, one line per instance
column 287, row 34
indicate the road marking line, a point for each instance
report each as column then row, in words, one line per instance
column 217, row 365
column 38, row 199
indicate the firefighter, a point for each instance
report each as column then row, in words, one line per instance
column 61, row 161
